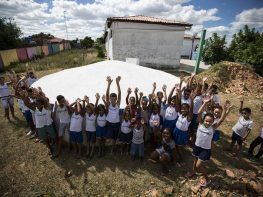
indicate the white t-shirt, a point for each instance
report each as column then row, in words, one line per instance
column 183, row 100
column 76, row 123
column 113, row 114
column 32, row 101
column 261, row 133
column 43, row 117
column 4, row 90
column 215, row 99
column 204, row 136
column 154, row 117
column 31, row 80
column 170, row 113
column 63, row 114
column 215, row 121
column 162, row 111
column 101, row 120
column 182, row 123
column 242, row 126
column 197, row 104
column 125, row 127
column 90, row 122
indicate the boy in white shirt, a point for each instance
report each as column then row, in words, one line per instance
column 63, row 110
column 241, row 130
column 213, row 90
column 31, row 76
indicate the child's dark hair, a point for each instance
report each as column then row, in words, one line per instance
column 89, row 106
column 246, row 109
column 186, row 104
column 76, row 105
column 59, row 97
column 23, row 87
column 30, row 90
column 218, row 107
column 102, row 106
column 209, row 115
column 187, row 90
column 139, row 118
column 155, row 104
column 213, row 87
column 132, row 97
column 159, row 93
column 206, row 85
column 173, row 98
column 31, row 73
column 113, row 95
column 40, row 100
column 166, row 128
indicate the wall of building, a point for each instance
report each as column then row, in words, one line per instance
column 108, row 46
column 156, row 46
column 187, row 44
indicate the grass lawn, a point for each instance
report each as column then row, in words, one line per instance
column 26, row 170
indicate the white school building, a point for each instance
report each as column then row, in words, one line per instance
column 157, row 43
column 187, row 44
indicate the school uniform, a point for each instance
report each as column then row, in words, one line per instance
column 31, row 80
column 91, row 127
column 6, row 101
column 170, row 118
column 113, row 119
column 180, row 135
column 125, row 136
column 64, row 119
column 216, row 133
column 256, row 142
column 101, row 131
column 76, row 128
column 197, row 105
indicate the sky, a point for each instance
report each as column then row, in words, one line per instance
column 87, row 17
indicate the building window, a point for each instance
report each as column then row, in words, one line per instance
column 110, row 34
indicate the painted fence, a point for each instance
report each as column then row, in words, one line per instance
column 23, row 54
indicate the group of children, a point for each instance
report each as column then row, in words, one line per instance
column 171, row 125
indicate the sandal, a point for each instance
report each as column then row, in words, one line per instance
column 232, row 154
column 49, row 152
column 141, row 160
column 204, row 184
column 164, row 173
column 246, row 153
column 78, row 156
column 179, row 165
column 33, row 137
column 99, row 156
column 90, row 157
column 37, row 140
column 253, row 159
column 188, row 175
column 75, row 154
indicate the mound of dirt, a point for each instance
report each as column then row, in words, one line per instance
column 235, row 78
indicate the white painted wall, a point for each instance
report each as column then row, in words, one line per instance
column 187, row 44
column 108, row 44
column 156, row 46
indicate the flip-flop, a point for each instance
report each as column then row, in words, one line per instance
column 90, row 157
column 204, row 184
column 37, row 140
column 49, row 152
column 163, row 174
column 33, row 137
column 253, row 159
column 232, row 154
column 246, row 153
column 188, row 175
column 179, row 165
column 78, row 156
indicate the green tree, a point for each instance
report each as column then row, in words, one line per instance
column 215, row 50
column 247, row 47
column 9, row 35
column 87, row 42
column 101, row 40
column 99, row 48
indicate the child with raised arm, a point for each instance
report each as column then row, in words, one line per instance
column 202, row 147
column 31, row 76
column 172, row 110
column 62, row 109
column 137, row 139
column 241, row 130
column 113, row 104
column 254, row 144
column 133, row 101
column 90, row 127
column 167, row 151
column 7, row 102
column 213, row 91
column 185, row 98
column 101, row 131
column 75, row 129
column 125, row 136
column 185, row 116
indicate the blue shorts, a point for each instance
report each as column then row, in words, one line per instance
column 193, row 121
column 76, row 136
column 162, row 151
column 170, row 124
column 101, row 132
column 28, row 116
column 216, row 136
column 180, row 137
column 134, row 148
column 201, row 153
column 151, row 129
column 237, row 138
column 113, row 130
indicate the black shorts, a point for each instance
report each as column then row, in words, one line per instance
column 237, row 138
column 91, row 136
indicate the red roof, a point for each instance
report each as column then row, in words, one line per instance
column 148, row 19
column 56, row 40
column 189, row 36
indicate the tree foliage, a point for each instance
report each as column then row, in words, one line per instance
column 215, row 50
column 247, row 47
column 87, row 42
column 99, row 48
column 9, row 35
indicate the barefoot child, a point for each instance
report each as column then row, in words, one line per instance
column 180, row 135
column 167, row 151
column 137, row 139
column 113, row 103
column 62, row 109
column 241, row 130
column 125, row 136
column 202, row 147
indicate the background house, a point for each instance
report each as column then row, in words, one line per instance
column 156, row 42
column 187, row 44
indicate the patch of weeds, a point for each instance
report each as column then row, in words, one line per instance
column 233, row 77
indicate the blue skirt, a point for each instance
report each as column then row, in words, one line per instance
column 101, row 132
column 170, row 124
column 180, row 137
column 216, row 136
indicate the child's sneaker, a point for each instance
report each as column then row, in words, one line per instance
column 30, row 132
column 246, row 153
column 253, row 159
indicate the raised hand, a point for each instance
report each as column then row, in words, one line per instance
column 66, row 103
column 154, row 85
column 118, row 79
column 133, row 120
column 205, row 78
column 27, row 65
column 232, row 107
column 176, row 86
column 155, row 122
column 150, row 96
column 87, row 99
column 7, row 73
column 136, row 90
column 97, row 96
column 242, row 99
column 141, row 94
column 13, row 71
column 193, row 94
column 129, row 91
column 206, row 98
column 193, row 74
column 199, row 80
column 56, row 104
column 182, row 78
column 164, row 87
column 33, row 69
column 142, row 121
column 39, row 88
column 78, row 100
column 108, row 78
column 103, row 97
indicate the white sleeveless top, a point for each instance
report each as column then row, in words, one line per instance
column 90, row 122
column 215, row 121
column 43, row 117
column 76, row 123
column 4, row 90
column 101, row 120
column 182, row 123
column 31, row 80
column 154, row 117
column 170, row 113
column 204, row 137
column 125, row 127
column 113, row 114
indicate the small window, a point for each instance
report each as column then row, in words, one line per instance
column 110, row 33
